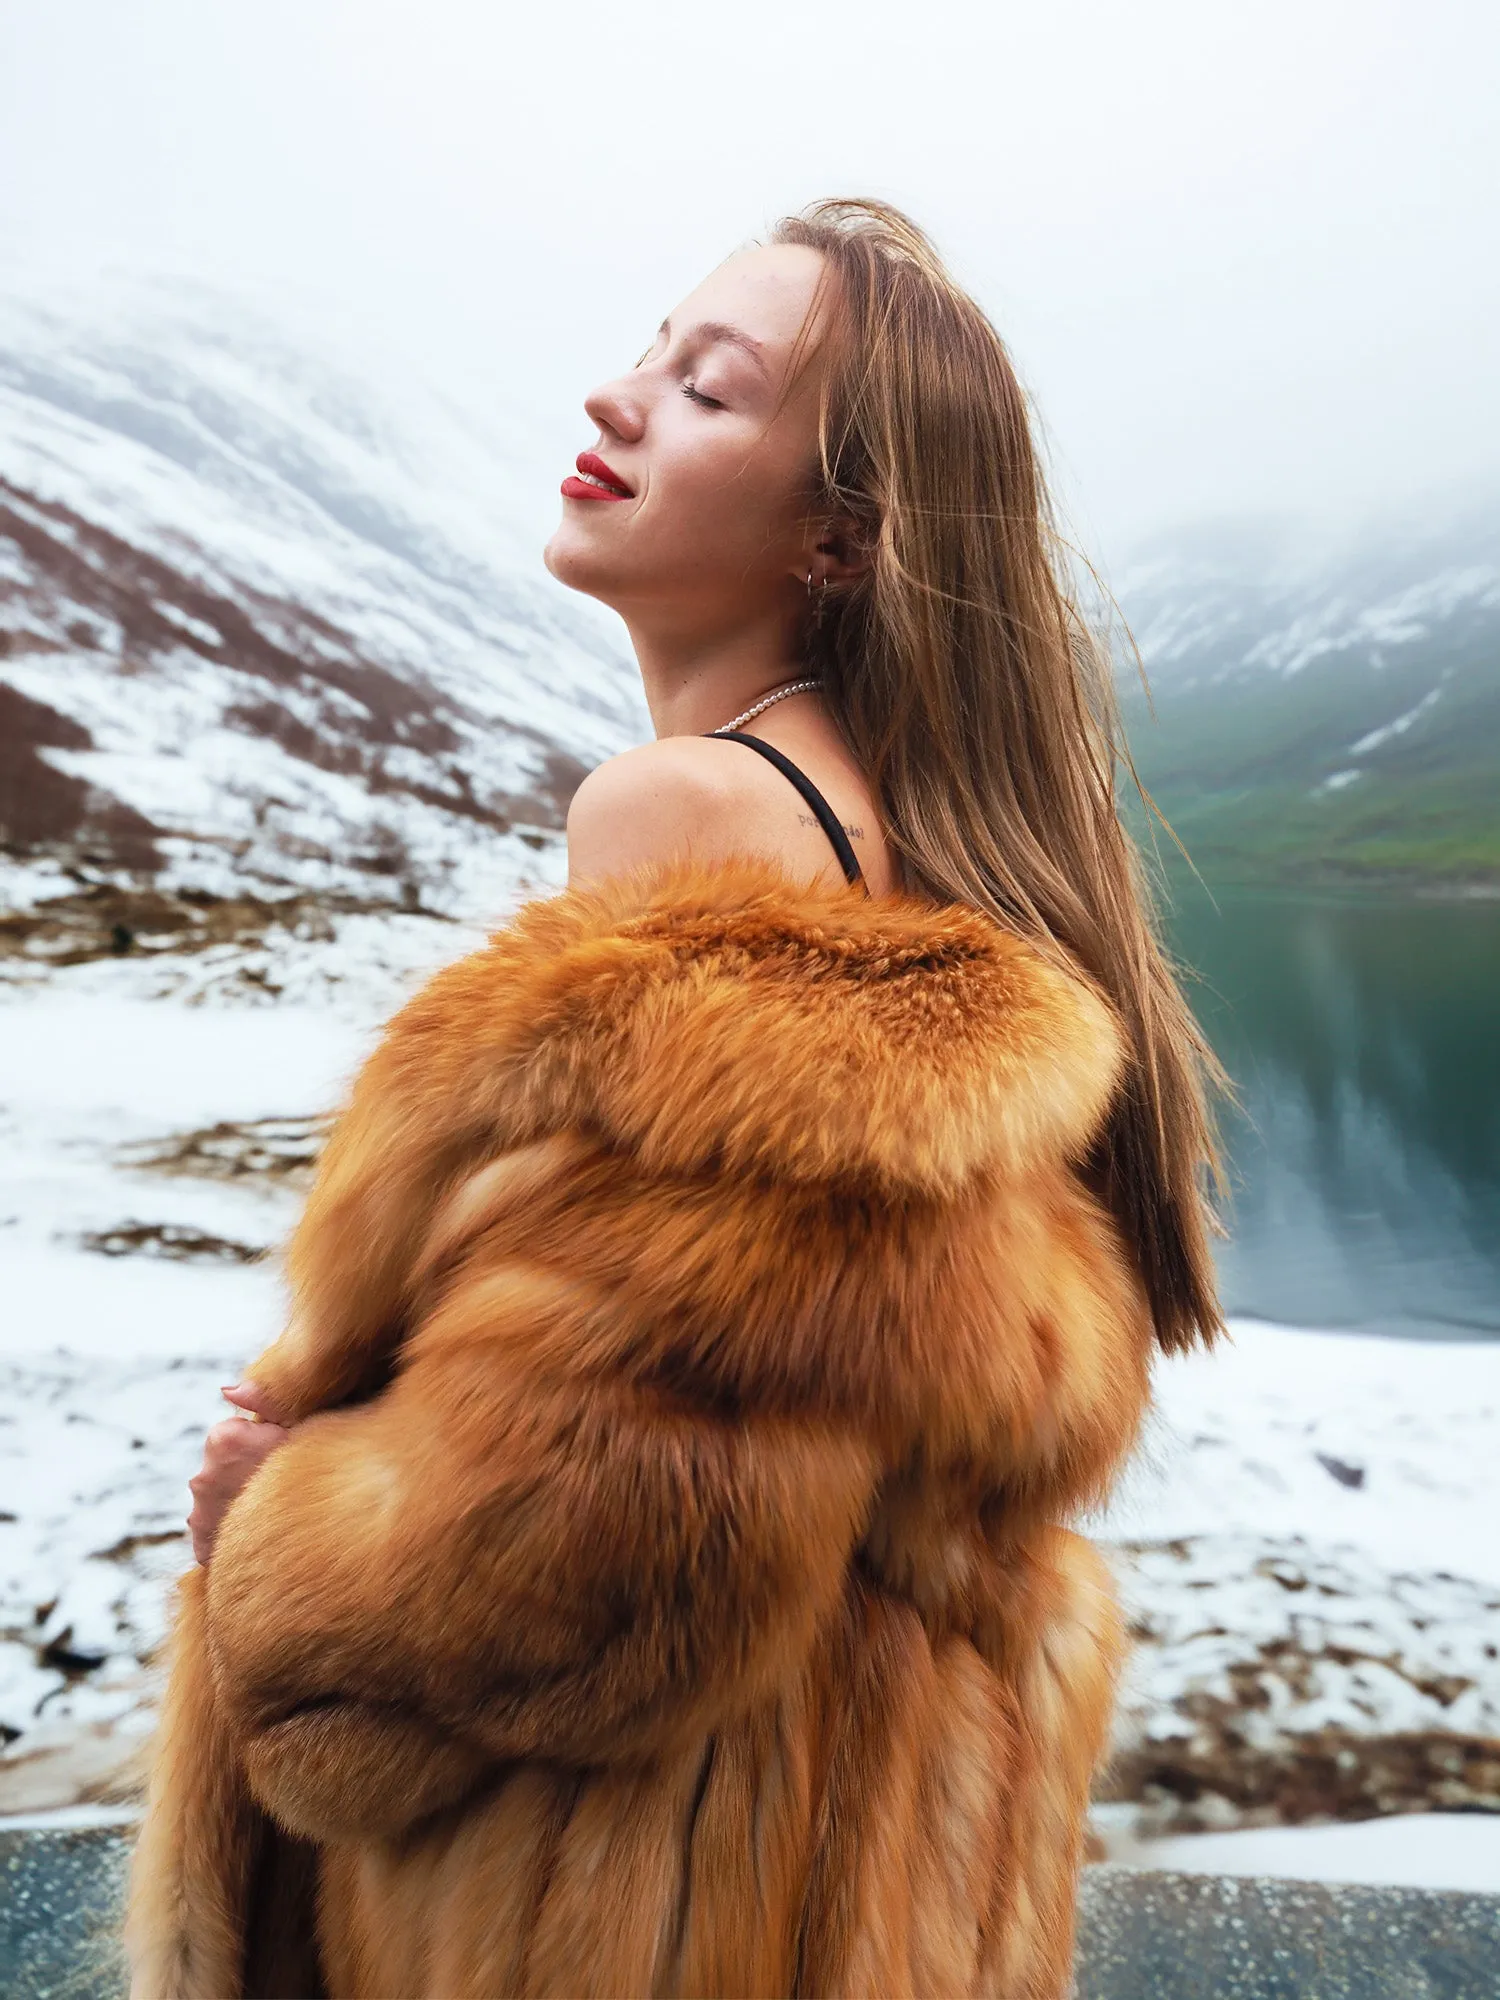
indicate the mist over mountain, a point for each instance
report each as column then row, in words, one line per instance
column 269, row 631
column 1324, row 714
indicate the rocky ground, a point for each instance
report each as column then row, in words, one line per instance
column 1306, row 1548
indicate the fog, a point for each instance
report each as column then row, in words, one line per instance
column 1244, row 256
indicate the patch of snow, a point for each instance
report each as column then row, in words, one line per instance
column 1337, row 781
column 1407, row 1850
column 1239, row 1436
column 1337, row 625
column 197, row 628
column 68, row 1819
column 1399, row 727
column 85, row 1068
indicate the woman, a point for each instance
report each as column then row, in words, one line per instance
column 651, row 1572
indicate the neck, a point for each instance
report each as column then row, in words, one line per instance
column 697, row 683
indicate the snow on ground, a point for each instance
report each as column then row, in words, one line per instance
column 1384, row 1445
column 1415, row 1850
column 1306, row 1543
column 158, row 1116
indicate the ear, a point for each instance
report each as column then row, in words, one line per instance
column 836, row 552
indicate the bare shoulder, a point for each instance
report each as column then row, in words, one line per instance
column 680, row 798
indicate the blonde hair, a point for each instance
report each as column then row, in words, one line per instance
column 981, row 705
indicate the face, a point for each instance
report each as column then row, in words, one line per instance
column 691, row 505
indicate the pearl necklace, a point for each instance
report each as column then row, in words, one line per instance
column 766, row 701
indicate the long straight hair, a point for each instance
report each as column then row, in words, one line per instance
column 981, row 706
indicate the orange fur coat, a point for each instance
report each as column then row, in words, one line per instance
column 701, row 1335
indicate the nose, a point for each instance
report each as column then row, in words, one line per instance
column 617, row 408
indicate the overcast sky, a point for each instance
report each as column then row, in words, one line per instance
column 1245, row 255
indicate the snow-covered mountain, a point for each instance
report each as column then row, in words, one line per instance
column 269, row 633
column 1325, row 713
column 1249, row 598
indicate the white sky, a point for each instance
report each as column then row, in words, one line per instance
column 1245, row 255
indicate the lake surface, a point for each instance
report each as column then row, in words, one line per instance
column 1364, row 1038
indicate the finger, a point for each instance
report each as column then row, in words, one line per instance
column 232, row 1459
column 262, row 1441
column 250, row 1396
column 225, row 1442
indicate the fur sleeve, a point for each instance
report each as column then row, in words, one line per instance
column 191, row 1871
column 489, row 1562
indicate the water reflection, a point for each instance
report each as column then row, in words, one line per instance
column 1366, row 1160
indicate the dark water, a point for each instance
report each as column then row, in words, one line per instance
column 1365, row 1041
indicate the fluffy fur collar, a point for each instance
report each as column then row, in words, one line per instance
column 724, row 1023
column 727, row 1020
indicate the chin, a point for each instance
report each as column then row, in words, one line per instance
column 570, row 556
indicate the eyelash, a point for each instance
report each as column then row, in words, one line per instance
column 693, row 394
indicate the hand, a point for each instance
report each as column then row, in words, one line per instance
column 232, row 1451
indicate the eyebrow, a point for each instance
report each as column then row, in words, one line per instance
column 708, row 331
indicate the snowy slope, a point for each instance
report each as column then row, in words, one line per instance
column 1256, row 599
column 270, row 629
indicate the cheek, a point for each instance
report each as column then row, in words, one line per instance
column 721, row 494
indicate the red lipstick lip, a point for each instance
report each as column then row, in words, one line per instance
column 581, row 489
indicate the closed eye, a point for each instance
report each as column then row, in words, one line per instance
column 697, row 396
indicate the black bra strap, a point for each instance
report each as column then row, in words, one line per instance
column 827, row 818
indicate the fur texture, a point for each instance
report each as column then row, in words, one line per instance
column 701, row 1334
